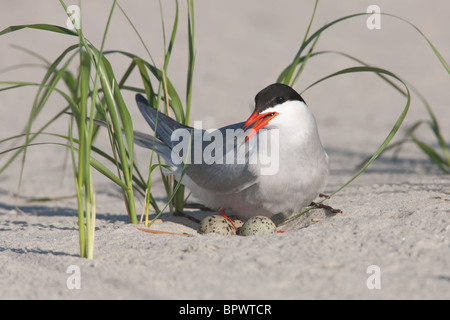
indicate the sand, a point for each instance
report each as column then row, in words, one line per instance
column 395, row 215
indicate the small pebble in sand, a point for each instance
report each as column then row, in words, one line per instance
column 257, row 225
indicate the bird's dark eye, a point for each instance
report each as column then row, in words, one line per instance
column 280, row 99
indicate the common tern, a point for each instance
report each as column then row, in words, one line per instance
column 224, row 168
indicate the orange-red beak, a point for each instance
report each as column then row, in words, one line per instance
column 261, row 121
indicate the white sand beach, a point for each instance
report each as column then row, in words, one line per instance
column 396, row 215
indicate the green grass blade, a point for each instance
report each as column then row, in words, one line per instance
column 32, row 53
column 168, row 51
column 137, row 33
column 40, row 26
column 148, row 88
column 304, row 61
column 286, row 77
column 433, row 155
column 435, row 51
column 127, row 73
column 46, row 89
column 191, row 59
column 81, row 229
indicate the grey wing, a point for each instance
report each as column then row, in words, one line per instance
column 221, row 178
column 163, row 125
column 150, row 142
column 225, row 166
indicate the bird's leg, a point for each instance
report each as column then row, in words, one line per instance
column 324, row 206
column 222, row 212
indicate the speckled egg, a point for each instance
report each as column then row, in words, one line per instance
column 257, row 225
column 216, row 224
column 237, row 222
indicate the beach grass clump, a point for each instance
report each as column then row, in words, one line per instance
column 94, row 92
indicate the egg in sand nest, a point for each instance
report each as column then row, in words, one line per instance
column 216, row 224
column 257, row 225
